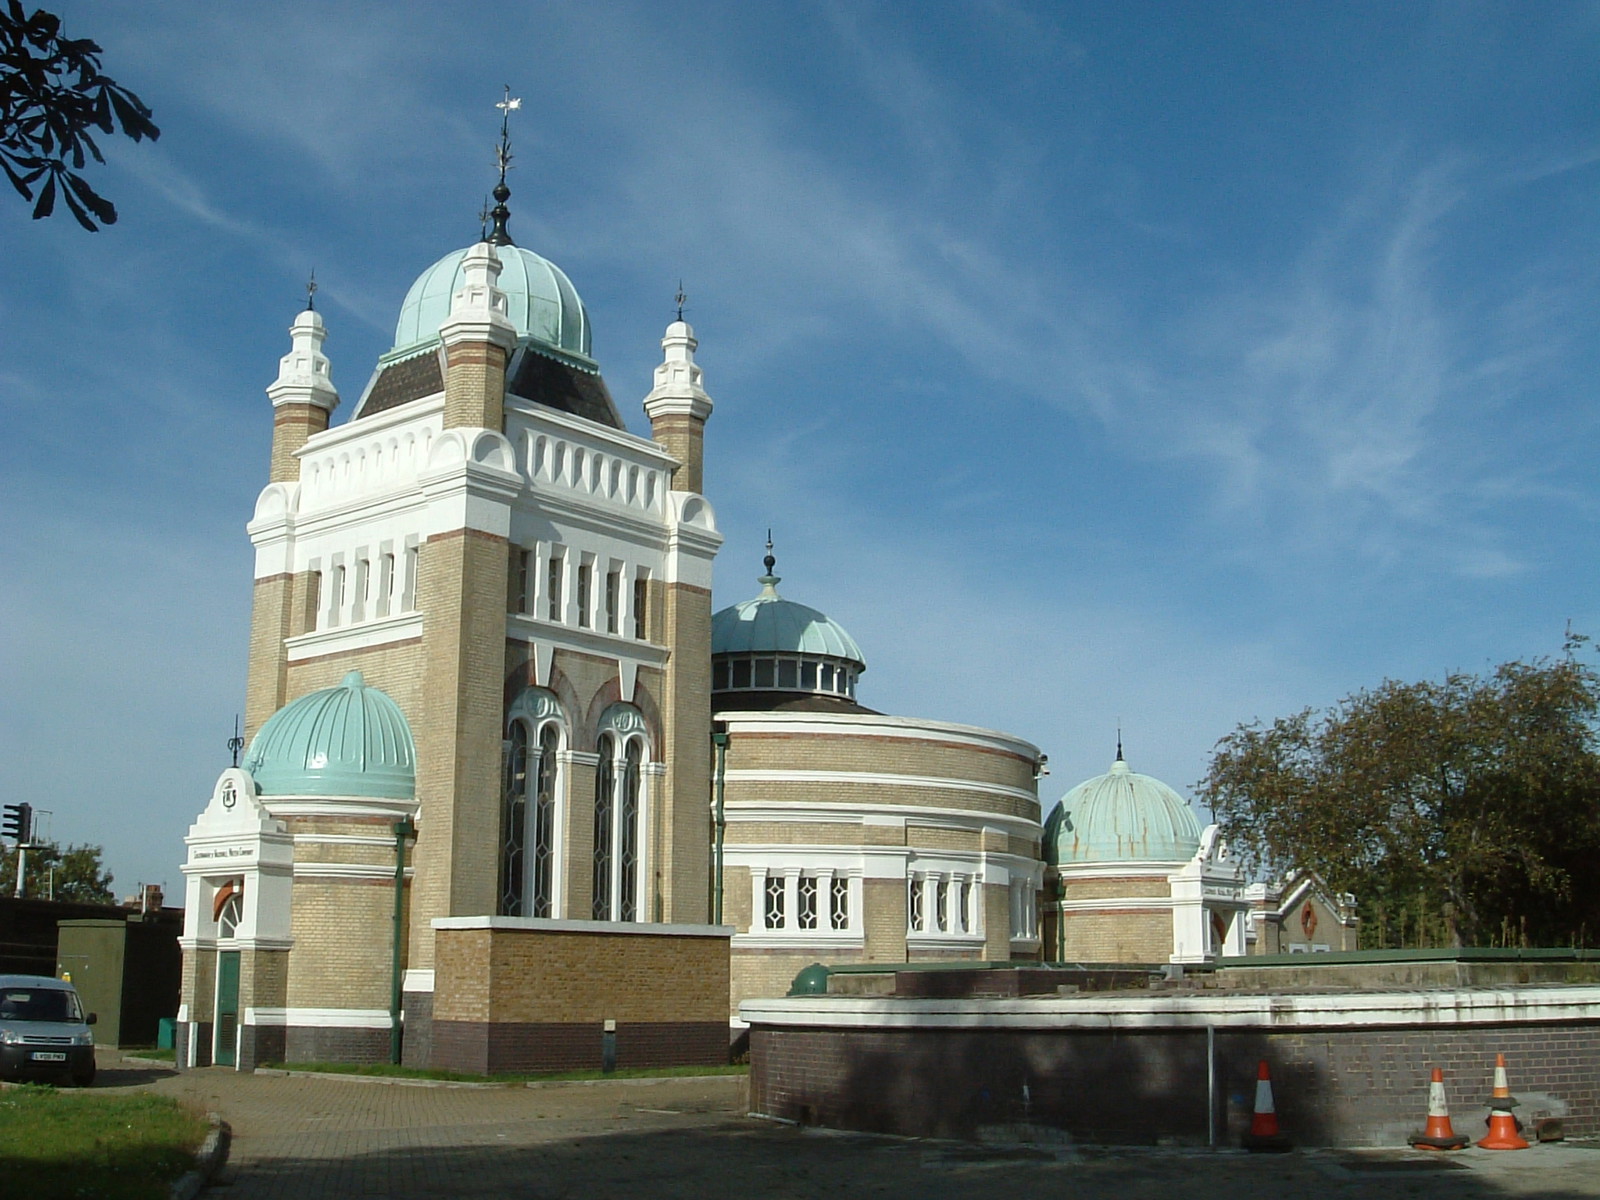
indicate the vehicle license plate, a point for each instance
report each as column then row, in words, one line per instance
column 49, row 1056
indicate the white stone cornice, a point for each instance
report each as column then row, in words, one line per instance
column 381, row 631
column 879, row 779
column 470, row 482
column 1280, row 1013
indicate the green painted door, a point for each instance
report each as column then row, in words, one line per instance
column 227, row 1008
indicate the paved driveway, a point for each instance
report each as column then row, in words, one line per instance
column 302, row 1138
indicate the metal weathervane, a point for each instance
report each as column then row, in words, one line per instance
column 311, row 291
column 680, row 299
column 499, row 235
column 236, row 742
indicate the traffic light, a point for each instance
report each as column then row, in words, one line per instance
column 18, row 822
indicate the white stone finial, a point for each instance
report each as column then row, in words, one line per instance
column 677, row 387
column 303, row 373
column 478, row 310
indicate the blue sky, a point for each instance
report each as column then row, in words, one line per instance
column 1176, row 364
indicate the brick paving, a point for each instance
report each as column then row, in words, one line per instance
column 304, row 1138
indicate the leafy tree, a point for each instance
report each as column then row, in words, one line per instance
column 79, row 874
column 1465, row 812
column 52, row 95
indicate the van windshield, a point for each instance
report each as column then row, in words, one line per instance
column 39, row 1004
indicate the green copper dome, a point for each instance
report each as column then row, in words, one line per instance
column 769, row 623
column 540, row 300
column 1121, row 817
column 349, row 740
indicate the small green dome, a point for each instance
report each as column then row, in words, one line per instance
column 540, row 300
column 769, row 623
column 349, row 740
column 1121, row 817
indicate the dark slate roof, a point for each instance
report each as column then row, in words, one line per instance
column 402, row 382
column 561, row 386
column 785, row 702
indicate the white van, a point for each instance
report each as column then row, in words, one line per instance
column 43, row 1030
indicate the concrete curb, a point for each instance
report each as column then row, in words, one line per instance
column 208, row 1160
column 400, row 1081
column 167, row 1063
column 646, row 1079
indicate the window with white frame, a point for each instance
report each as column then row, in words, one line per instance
column 553, row 596
column 1024, row 917
column 623, row 750
column 528, row 852
column 942, row 904
column 800, row 902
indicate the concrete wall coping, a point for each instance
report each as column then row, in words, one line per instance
column 613, row 928
column 1443, row 1007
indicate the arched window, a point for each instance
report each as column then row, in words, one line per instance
column 620, row 799
column 528, row 824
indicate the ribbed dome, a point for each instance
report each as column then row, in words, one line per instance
column 540, row 300
column 771, row 623
column 1121, row 817
column 349, row 740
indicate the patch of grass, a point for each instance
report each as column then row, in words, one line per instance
column 56, row 1146
column 395, row 1072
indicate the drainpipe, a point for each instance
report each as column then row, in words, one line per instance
column 719, row 739
column 403, row 829
column 1061, row 919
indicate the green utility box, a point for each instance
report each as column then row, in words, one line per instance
column 126, row 971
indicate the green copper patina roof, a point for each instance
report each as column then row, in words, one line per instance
column 350, row 740
column 1121, row 817
column 540, row 300
column 769, row 623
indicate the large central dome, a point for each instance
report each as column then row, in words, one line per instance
column 540, row 300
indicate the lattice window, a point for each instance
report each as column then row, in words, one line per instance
column 544, row 825
column 773, row 913
column 628, row 841
column 914, row 889
column 514, row 823
column 941, row 905
column 840, row 912
column 964, row 922
column 807, row 894
column 604, row 815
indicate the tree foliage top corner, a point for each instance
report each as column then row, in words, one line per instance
column 53, row 99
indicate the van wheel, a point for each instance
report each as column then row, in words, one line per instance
column 83, row 1078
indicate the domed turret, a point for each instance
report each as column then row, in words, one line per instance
column 1121, row 817
column 769, row 644
column 540, row 300
column 349, row 740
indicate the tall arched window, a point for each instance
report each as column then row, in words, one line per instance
column 623, row 749
column 528, row 825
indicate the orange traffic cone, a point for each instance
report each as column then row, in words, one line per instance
column 1264, row 1133
column 1438, row 1135
column 1503, row 1124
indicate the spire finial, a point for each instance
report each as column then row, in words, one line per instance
column 680, row 300
column 499, row 235
column 311, row 296
column 769, row 581
column 1119, row 741
column 236, row 742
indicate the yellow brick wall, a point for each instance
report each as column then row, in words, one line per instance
column 884, row 905
column 684, row 859
column 461, row 579
column 767, row 974
column 737, row 898
column 292, row 427
column 749, row 750
column 475, row 387
column 926, row 838
column 794, row 833
column 1142, row 937
column 996, row 921
column 683, row 437
column 396, row 669
column 1100, row 889
column 542, row 976
column 343, row 949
